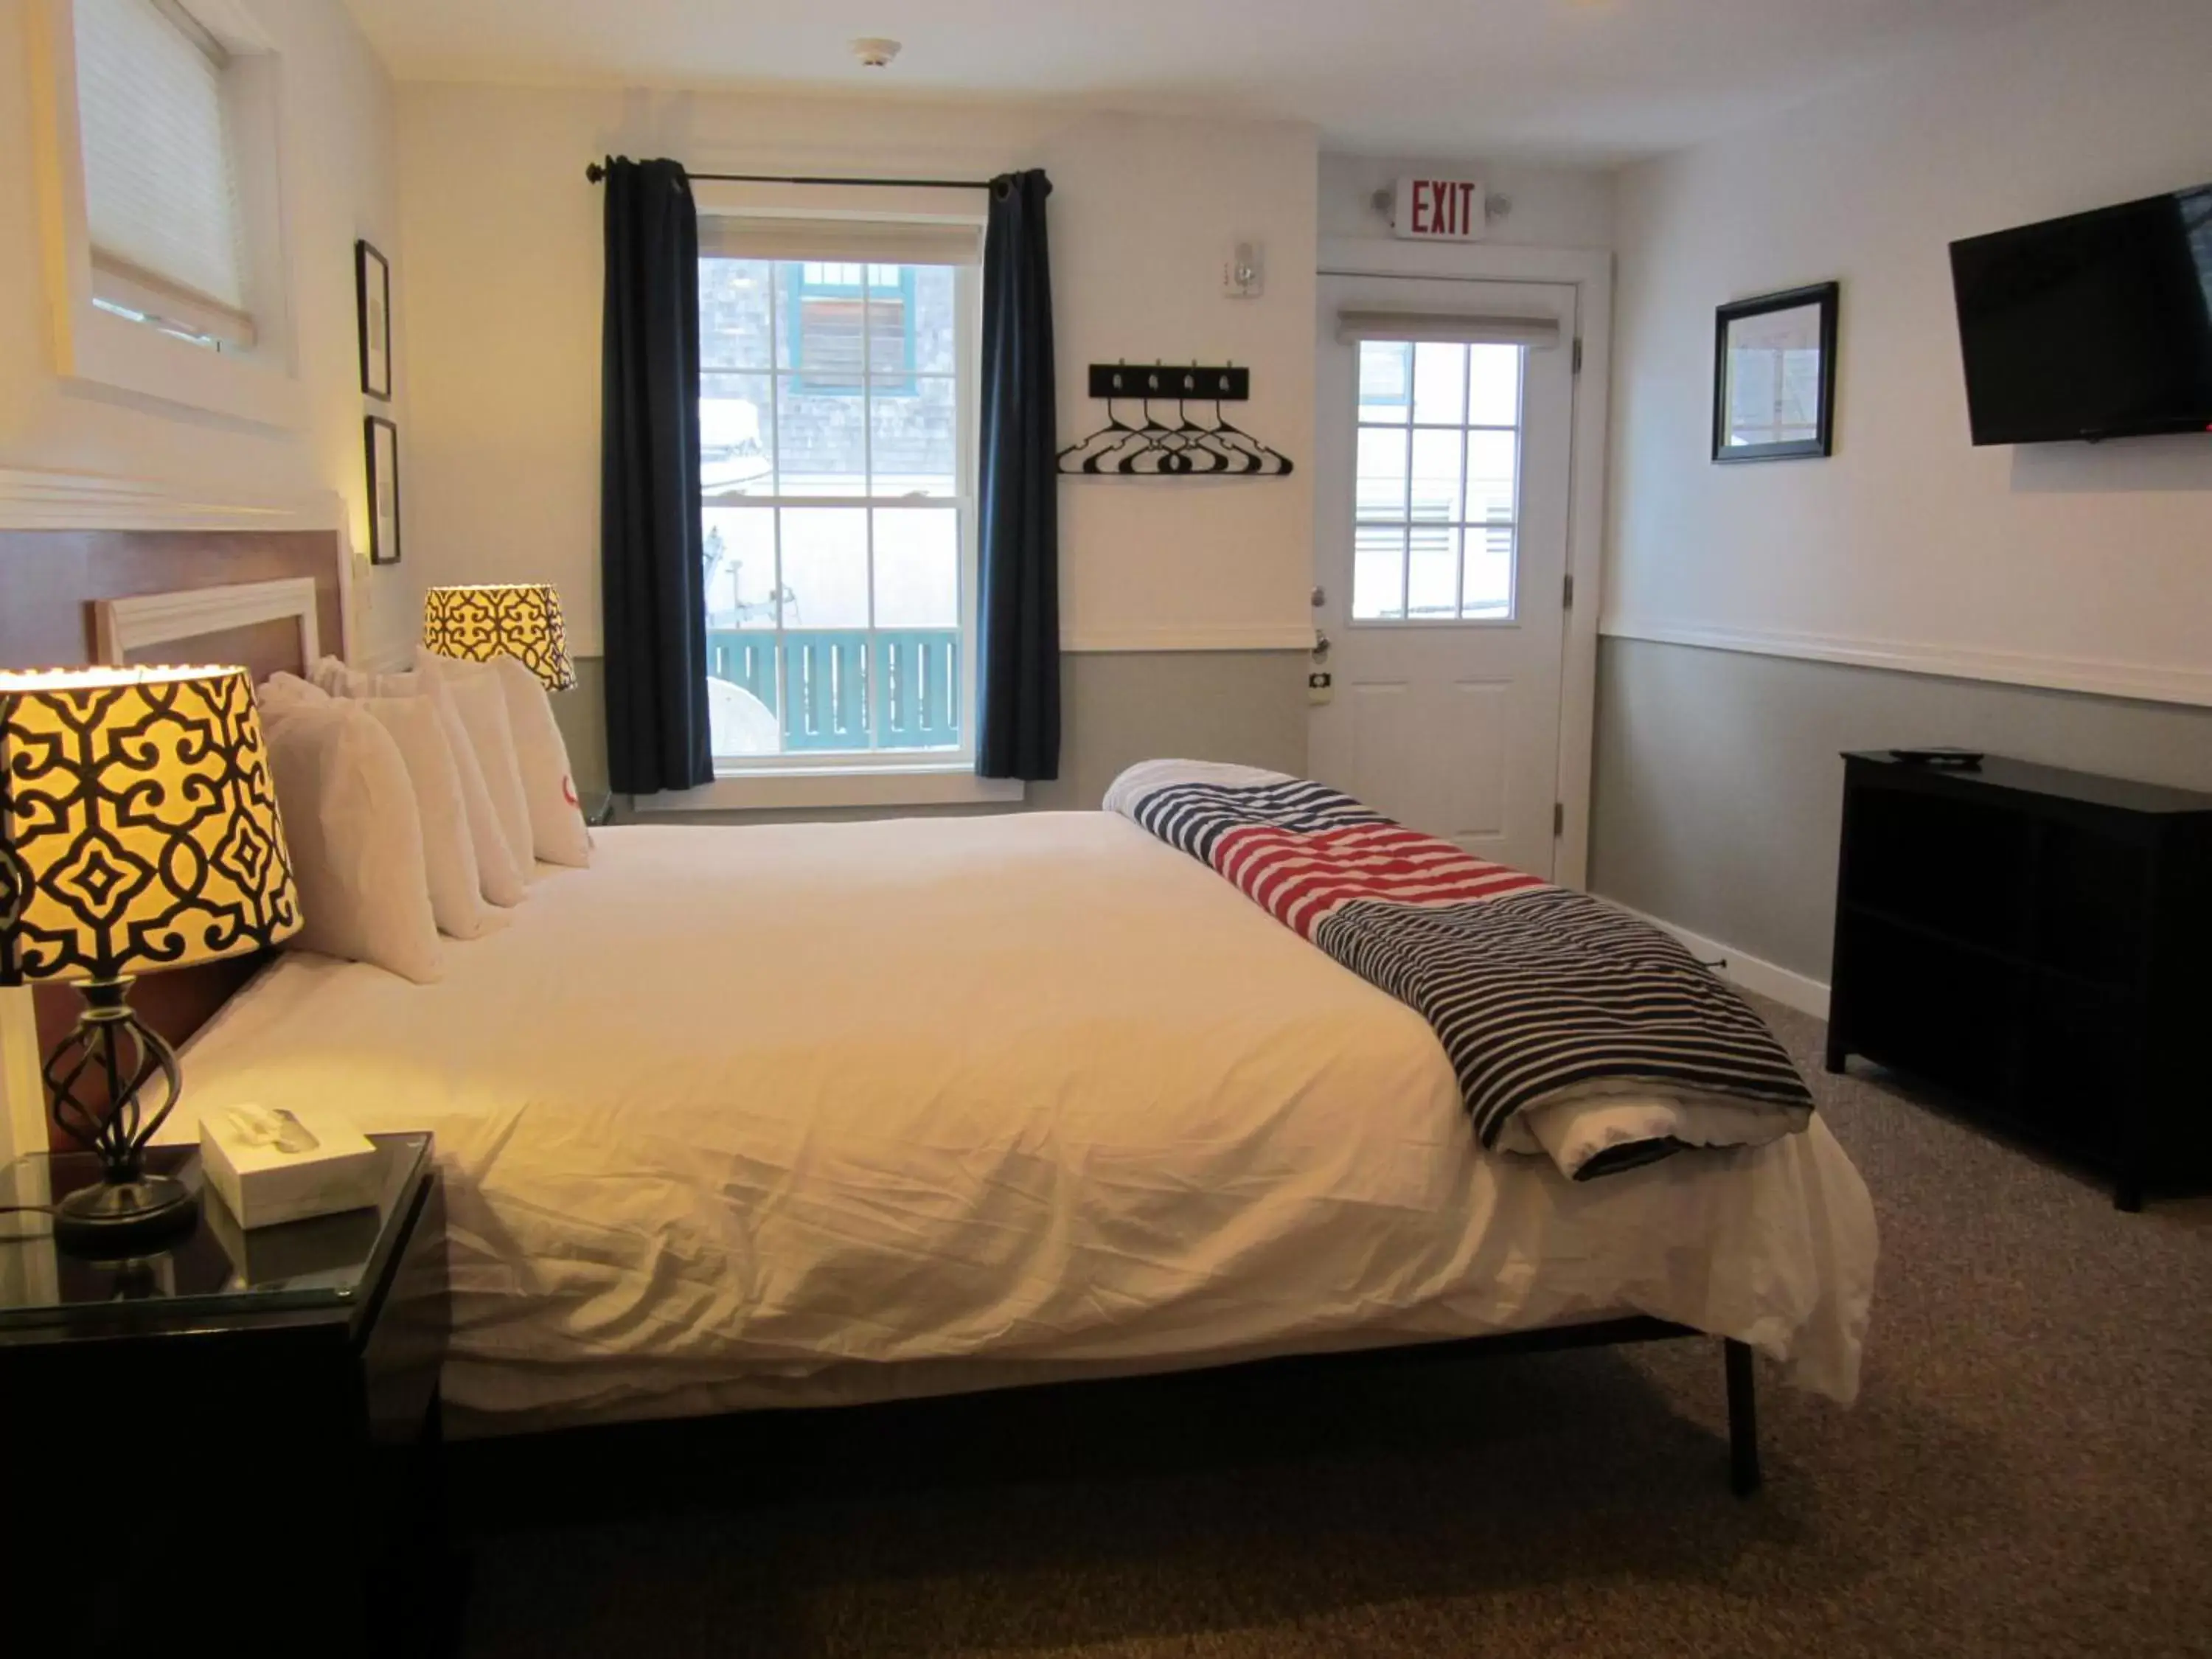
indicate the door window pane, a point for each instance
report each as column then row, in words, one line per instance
column 1439, row 384
column 1489, row 591
column 1493, row 386
column 1493, row 459
column 1436, row 477
column 1432, row 573
column 1382, row 486
column 1386, row 380
column 1378, row 573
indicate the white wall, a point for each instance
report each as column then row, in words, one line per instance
column 502, row 280
column 2062, row 564
column 1551, row 206
column 340, row 182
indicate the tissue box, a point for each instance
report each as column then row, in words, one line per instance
column 273, row 1164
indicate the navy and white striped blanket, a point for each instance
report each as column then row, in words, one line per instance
column 1537, row 993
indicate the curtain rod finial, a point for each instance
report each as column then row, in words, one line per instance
column 593, row 173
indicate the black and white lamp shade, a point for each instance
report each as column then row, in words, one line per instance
column 138, row 828
column 511, row 619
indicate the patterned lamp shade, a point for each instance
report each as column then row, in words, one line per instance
column 518, row 619
column 138, row 829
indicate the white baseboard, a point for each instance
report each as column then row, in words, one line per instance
column 1762, row 978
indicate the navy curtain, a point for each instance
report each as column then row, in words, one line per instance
column 1017, row 608
column 651, row 560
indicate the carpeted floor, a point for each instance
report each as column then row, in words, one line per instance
column 2028, row 1472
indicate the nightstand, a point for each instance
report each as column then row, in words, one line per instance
column 233, row 1443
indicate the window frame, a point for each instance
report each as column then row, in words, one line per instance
column 260, row 384
column 752, row 779
column 1463, row 526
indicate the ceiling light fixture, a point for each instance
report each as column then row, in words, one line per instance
column 873, row 52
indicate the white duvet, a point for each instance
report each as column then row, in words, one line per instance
column 797, row 1113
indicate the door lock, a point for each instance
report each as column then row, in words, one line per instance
column 1320, row 646
column 1320, row 598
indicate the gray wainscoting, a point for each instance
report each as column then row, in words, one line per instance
column 1117, row 707
column 1719, row 791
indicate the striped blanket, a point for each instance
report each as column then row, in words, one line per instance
column 1574, row 1028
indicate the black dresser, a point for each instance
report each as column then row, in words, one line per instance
column 2040, row 943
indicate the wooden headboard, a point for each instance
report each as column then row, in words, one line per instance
column 263, row 599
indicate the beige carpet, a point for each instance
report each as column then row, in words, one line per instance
column 2029, row 1472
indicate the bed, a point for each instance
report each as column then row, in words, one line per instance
column 825, row 1114
column 830, row 1114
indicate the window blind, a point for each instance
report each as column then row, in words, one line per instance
column 161, row 194
column 1449, row 326
column 883, row 242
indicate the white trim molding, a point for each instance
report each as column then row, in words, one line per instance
column 122, row 626
column 2142, row 682
column 33, row 498
column 1200, row 636
column 832, row 787
column 1784, row 985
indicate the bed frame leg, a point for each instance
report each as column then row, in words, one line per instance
column 1743, row 1419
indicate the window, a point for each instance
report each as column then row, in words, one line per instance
column 836, row 304
column 161, row 187
column 1438, row 485
column 837, row 466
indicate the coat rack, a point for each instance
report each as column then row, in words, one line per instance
column 1187, row 449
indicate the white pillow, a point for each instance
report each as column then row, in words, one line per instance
column 557, row 816
column 476, row 695
column 283, row 690
column 450, row 857
column 504, row 881
column 356, row 838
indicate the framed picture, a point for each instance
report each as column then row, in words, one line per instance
column 382, row 439
column 372, row 297
column 1774, row 376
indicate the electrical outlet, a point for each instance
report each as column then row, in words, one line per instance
column 1321, row 686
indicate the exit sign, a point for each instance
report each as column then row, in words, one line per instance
column 1438, row 210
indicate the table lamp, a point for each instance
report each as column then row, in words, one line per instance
column 138, row 831
column 520, row 620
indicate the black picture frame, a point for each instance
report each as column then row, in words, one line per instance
column 1820, row 298
column 381, row 444
column 372, row 281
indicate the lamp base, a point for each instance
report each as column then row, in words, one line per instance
column 125, row 1218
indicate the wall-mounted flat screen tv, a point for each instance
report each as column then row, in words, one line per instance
column 2094, row 326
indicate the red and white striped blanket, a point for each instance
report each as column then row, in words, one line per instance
column 1573, row 1026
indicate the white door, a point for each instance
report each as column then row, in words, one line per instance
column 1440, row 558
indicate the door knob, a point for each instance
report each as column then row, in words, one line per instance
column 1320, row 598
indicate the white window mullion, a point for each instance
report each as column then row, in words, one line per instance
column 868, row 491
column 775, row 514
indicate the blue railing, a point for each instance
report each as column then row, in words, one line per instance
column 848, row 688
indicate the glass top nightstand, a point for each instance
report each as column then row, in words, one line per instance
column 326, row 1263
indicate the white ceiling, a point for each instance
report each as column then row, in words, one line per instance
column 1582, row 80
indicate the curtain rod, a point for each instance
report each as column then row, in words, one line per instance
column 595, row 172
